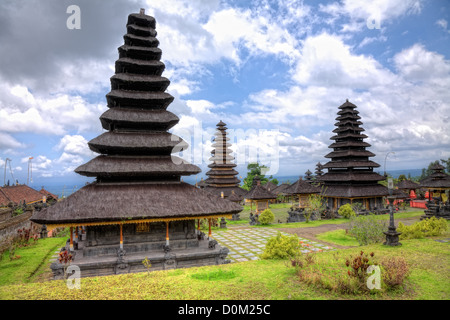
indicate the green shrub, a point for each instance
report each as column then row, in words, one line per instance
column 266, row 217
column 346, row 211
column 425, row 228
column 281, row 247
column 367, row 229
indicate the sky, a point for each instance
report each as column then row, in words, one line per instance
column 274, row 71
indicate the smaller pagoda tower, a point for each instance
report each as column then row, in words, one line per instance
column 319, row 170
column 222, row 178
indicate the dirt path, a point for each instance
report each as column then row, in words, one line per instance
column 311, row 232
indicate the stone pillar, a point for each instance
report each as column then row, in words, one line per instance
column 121, row 237
column 71, row 239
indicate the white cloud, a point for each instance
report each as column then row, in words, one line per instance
column 22, row 111
column 418, row 64
column 383, row 11
column 443, row 24
column 327, row 61
column 7, row 142
column 75, row 145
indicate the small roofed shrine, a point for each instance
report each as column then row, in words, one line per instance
column 302, row 189
column 138, row 207
column 222, row 178
column 437, row 184
column 279, row 191
column 270, row 186
column 350, row 177
column 259, row 196
column 408, row 187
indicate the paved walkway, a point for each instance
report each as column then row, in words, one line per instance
column 248, row 243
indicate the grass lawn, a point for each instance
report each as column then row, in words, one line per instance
column 339, row 237
column 32, row 264
column 260, row 280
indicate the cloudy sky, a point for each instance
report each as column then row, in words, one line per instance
column 274, row 71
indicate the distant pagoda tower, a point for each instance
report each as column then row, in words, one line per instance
column 138, row 206
column 350, row 177
column 222, row 178
column 319, row 171
column 308, row 176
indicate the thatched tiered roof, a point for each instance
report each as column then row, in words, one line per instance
column 270, row 186
column 302, row 187
column 407, row 185
column 222, row 177
column 281, row 189
column 438, row 179
column 137, row 178
column 258, row 192
column 350, row 172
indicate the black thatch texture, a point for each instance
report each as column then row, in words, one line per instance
column 144, row 143
column 121, row 202
column 129, row 119
column 227, row 191
column 356, row 191
column 437, row 179
column 302, row 187
column 258, row 192
column 407, row 184
column 123, row 166
column 281, row 189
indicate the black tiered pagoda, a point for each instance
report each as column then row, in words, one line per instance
column 318, row 171
column 138, row 206
column 350, row 177
column 222, row 179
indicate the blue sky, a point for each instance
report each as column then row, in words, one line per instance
column 274, row 71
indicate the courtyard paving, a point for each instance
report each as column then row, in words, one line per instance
column 248, row 243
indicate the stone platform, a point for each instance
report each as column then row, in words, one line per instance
column 208, row 252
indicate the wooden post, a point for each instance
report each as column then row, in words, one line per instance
column 209, row 223
column 167, row 233
column 198, row 226
column 121, row 237
column 71, row 239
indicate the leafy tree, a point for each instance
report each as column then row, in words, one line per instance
column 401, row 177
column 446, row 164
column 254, row 169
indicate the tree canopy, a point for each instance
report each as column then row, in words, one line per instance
column 253, row 170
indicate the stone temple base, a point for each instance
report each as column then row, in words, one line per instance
column 100, row 257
